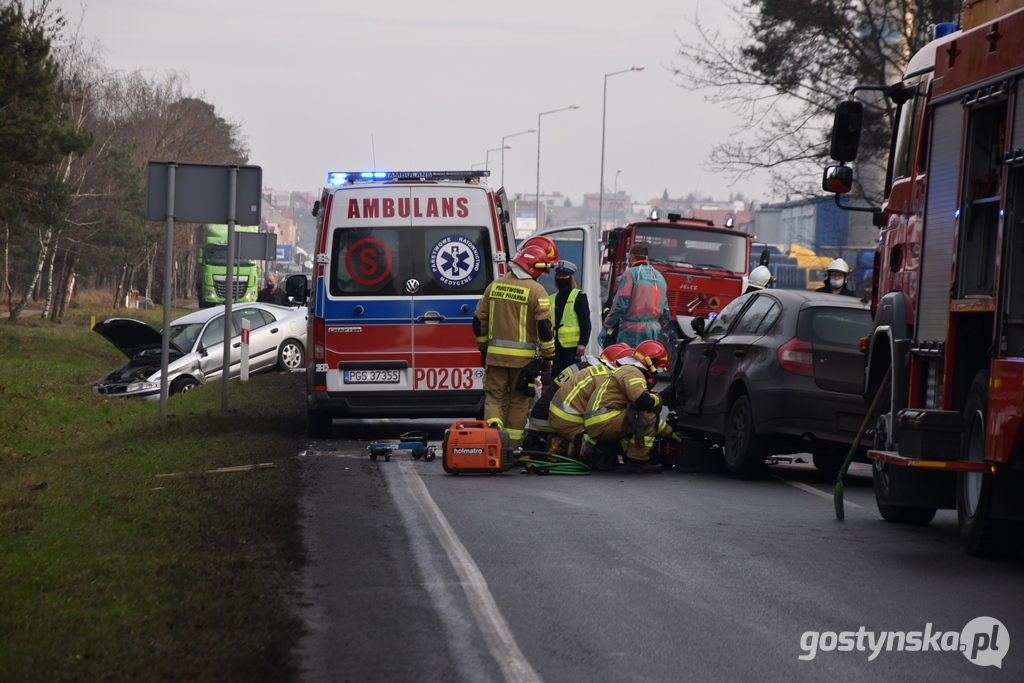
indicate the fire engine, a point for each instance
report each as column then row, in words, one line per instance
column 401, row 259
column 946, row 354
column 705, row 266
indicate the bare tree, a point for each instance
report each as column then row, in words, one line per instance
column 794, row 60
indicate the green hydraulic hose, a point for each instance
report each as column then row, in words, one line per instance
column 540, row 463
column 837, row 496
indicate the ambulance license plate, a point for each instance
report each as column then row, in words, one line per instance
column 371, row 376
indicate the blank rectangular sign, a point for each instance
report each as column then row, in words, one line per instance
column 201, row 193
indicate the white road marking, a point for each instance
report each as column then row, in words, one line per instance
column 821, row 494
column 497, row 634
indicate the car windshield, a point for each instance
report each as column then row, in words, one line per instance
column 185, row 335
column 694, row 247
column 217, row 255
column 834, row 326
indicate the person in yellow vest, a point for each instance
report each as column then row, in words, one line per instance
column 512, row 327
column 624, row 412
column 570, row 312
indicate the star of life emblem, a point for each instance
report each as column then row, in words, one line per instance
column 455, row 261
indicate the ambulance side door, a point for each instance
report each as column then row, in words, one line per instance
column 581, row 245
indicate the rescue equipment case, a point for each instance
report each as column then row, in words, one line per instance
column 474, row 447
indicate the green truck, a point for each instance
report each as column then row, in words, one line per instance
column 213, row 268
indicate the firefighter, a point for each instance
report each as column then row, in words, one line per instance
column 835, row 281
column 569, row 404
column 640, row 306
column 570, row 312
column 512, row 327
column 760, row 278
column 624, row 412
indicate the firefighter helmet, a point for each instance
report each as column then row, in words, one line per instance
column 652, row 354
column 760, row 278
column 546, row 245
column 533, row 259
column 839, row 265
column 615, row 352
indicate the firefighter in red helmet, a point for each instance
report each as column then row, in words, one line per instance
column 624, row 412
column 513, row 330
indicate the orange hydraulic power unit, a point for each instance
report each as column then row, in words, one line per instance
column 474, row 447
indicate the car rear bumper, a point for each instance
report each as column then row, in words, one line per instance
column 807, row 414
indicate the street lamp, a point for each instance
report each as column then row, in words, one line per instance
column 604, row 112
column 571, row 106
column 487, row 157
column 615, row 214
column 503, row 148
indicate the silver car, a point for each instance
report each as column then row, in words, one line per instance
column 277, row 338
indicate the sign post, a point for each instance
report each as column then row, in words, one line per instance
column 200, row 193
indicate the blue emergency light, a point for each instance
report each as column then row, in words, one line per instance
column 345, row 177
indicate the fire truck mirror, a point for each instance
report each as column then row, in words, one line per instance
column 846, row 130
column 837, row 179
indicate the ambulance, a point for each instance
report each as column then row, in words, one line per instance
column 401, row 259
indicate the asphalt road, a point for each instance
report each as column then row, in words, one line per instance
column 417, row 575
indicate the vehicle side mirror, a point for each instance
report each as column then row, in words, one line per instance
column 765, row 257
column 837, row 179
column 316, row 208
column 296, row 288
column 697, row 325
column 846, row 125
column 202, row 350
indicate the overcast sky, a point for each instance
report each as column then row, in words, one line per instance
column 401, row 85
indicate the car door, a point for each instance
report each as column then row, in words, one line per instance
column 701, row 353
column 734, row 352
column 212, row 341
column 265, row 335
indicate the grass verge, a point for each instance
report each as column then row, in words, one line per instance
column 121, row 556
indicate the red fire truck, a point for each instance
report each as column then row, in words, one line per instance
column 946, row 355
column 705, row 266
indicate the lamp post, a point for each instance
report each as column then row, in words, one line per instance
column 615, row 214
column 604, row 112
column 543, row 113
column 487, row 157
column 503, row 148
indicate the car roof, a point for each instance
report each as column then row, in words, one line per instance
column 205, row 314
column 799, row 297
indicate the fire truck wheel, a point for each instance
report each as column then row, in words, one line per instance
column 290, row 356
column 899, row 514
column 319, row 426
column 982, row 535
column 743, row 456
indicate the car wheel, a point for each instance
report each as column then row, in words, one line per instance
column 743, row 456
column 320, row 424
column 290, row 356
column 183, row 385
column 899, row 514
column 982, row 535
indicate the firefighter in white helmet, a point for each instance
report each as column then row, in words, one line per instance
column 835, row 280
column 760, row 278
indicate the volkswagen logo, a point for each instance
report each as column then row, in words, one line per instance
column 412, row 285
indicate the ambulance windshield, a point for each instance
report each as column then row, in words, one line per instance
column 403, row 261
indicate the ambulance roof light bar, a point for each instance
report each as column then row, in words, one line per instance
column 344, row 177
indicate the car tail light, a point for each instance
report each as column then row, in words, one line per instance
column 319, row 337
column 797, row 356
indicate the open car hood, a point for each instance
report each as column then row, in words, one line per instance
column 132, row 337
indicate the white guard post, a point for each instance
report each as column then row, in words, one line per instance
column 244, row 368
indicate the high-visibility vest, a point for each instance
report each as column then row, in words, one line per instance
column 569, row 329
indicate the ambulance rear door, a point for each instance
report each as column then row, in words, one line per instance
column 453, row 264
